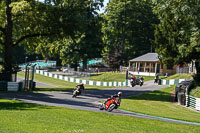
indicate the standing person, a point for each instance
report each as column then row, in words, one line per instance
column 156, row 78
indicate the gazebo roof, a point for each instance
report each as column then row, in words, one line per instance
column 149, row 57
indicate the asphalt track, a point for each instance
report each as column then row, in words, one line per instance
column 90, row 99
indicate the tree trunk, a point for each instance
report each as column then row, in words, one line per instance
column 84, row 64
column 197, row 65
column 75, row 66
column 8, row 39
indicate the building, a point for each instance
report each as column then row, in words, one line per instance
column 149, row 65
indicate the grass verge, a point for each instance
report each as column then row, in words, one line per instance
column 114, row 76
column 159, row 103
column 195, row 92
column 32, row 118
column 180, row 76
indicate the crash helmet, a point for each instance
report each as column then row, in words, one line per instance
column 81, row 84
column 120, row 93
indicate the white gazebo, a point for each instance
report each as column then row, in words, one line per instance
column 149, row 65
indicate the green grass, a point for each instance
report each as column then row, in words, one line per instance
column 32, row 118
column 112, row 76
column 108, row 77
column 159, row 103
column 195, row 92
column 61, row 85
column 180, row 76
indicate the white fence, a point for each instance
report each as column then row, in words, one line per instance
column 193, row 102
column 76, row 80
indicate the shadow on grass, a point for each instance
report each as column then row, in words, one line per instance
column 53, row 89
column 20, row 106
column 58, row 100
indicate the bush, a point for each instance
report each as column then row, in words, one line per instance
column 196, row 78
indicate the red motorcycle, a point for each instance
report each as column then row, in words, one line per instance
column 110, row 104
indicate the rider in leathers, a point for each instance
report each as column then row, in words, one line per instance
column 118, row 96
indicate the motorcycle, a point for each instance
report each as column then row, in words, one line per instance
column 110, row 104
column 132, row 83
column 77, row 91
column 141, row 82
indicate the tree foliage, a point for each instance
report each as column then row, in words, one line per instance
column 29, row 21
column 85, row 44
column 128, row 26
column 177, row 36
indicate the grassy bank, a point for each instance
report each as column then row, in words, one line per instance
column 159, row 103
column 180, row 76
column 31, row 118
column 114, row 76
column 195, row 92
column 108, row 77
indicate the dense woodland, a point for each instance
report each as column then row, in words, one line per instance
column 71, row 31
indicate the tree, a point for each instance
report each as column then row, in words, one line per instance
column 24, row 20
column 177, row 36
column 128, row 27
column 87, row 43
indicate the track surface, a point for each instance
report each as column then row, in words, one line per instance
column 89, row 99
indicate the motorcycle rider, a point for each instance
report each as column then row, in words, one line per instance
column 80, row 87
column 118, row 96
column 141, row 80
column 133, row 81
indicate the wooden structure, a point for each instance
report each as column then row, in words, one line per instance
column 149, row 65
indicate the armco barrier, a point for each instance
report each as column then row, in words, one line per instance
column 13, row 86
column 193, row 102
column 75, row 80
column 172, row 81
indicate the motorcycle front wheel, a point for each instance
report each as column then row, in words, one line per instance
column 101, row 107
column 111, row 107
column 74, row 94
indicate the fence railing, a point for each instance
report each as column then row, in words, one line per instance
column 76, row 80
column 142, row 69
column 172, row 81
column 182, row 70
column 193, row 102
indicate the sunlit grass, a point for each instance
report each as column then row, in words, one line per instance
column 195, row 92
column 180, row 76
column 159, row 103
column 32, row 118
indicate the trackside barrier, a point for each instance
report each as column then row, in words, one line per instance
column 13, row 86
column 193, row 102
column 172, row 81
column 76, row 80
